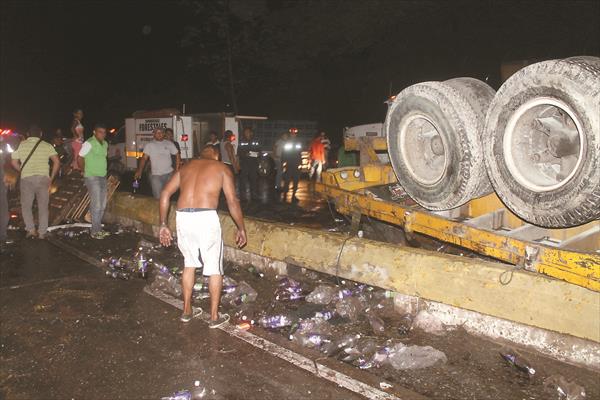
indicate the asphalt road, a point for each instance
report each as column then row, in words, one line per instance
column 68, row 332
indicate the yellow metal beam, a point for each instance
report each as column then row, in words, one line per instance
column 582, row 269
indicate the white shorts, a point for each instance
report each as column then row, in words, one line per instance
column 199, row 234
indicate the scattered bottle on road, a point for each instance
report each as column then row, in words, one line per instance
column 181, row 395
column 275, row 321
column 322, row 294
column 516, row 360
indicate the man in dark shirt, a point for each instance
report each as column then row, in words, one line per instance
column 292, row 157
column 248, row 151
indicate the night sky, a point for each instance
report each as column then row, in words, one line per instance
column 333, row 61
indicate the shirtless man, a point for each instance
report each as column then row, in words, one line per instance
column 198, row 228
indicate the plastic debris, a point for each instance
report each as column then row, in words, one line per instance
column 405, row 325
column 180, row 395
column 564, row 389
column 384, row 385
column 256, row 272
column 310, row 339
column 322, row 294
column 514, row 359
column 415, row 357
column 275, row 321
column 338, row 346
column 244, row 293
column 349, row 307
column 377, row 324
column 165, row 281
column 429, row 323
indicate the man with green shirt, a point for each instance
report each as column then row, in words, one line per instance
column 92, row 161
column 31, row 160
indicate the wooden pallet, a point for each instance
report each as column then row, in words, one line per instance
column 70, row 202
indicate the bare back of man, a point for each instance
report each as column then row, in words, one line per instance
column 198, row 228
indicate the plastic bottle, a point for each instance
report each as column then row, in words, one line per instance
column 275, row 321
column 229, row 285
column 286, row 281
column 322, row 294
column 565, row 389
column 405, row 325
column 288, row 296
column 181, row 395
column 349, row 307
column 135, row 186
column 377, row 324
column 255, row 272
column 415, row 357
column 142, row 263
column 516, row 360
column 310, row 339
column 325, row 315
column 118, row 274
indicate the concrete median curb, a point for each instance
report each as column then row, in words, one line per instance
column 560, row 319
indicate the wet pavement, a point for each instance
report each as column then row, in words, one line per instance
column 70, row 332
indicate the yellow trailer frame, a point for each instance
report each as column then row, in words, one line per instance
column 483, row 225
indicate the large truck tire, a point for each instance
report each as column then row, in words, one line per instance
column 542, row 142
column 433, row 132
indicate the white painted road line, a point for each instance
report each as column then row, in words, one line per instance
column 294, row 358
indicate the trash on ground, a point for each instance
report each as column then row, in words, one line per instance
column 564, row 389
column 180, row 395
column 514, row 359
column 323, row 294
column 429, row 323
column 415, row 357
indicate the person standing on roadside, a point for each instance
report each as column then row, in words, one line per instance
column 31, row 160
column 77, row 131
column 159, row 152
column 215, row 142
column 93, row 162
column 327, row 146
column 5, row 184
column 174, row 157
column 228, row 156
column 248, row 151
column 317, row 156
column 278, row 159
column 200, row 183
column 292, row 156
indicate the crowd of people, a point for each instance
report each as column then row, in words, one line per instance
column 37, row 163
column 222, row 167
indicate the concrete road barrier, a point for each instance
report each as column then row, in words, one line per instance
column 555, row 317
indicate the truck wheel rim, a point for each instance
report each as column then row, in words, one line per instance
column 423, row 149
column 543, row 144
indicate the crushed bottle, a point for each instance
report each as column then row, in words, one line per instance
column 275, row 321
column 322, row 294
column 180, row 395
column 402, row 356
column 377, row 323
column 244, row 293
column 349, row 307
column 564, row 389
column 312, row 340
column 256, row 272
column 514, row 359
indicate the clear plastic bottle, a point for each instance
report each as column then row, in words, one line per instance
column 275, row 321
column 377, row 323
column 513, row 358
column 322, row 294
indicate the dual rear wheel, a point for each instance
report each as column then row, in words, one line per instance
column 536, row 142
